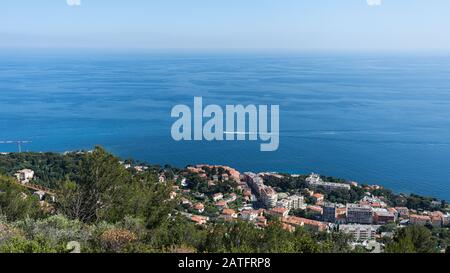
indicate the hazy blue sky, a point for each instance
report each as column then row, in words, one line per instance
column 218, row 24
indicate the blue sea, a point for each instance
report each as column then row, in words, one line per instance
column 373, row 118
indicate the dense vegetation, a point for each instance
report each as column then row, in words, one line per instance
column 50, row 168
column 13, row 204
column 414, row 239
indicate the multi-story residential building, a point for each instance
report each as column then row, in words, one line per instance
column 280, row 212
column 329, row 212
column 318, row 198
column 296, row 202
column 437, row 218
column 283, row 203
column 256, row 183
column 248, row 215
column 360, row 232
column 269, row 197
column 403, row 212
column 292, row 202
column 360, row 214
column 314, row 209
column 315, row 181
column 422, row 220
column 383, row 216
column 341, row 214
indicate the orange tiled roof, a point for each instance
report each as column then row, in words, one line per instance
column 221, row 203
column 278, row 210
column 199, row 206
column 420, row 217
column 198, row 219
column 318, row 195
column 298, row 221
column 228, row 212
column 315, row 208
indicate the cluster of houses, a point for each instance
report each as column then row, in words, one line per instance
column 361, row 220
column 227, row 173
column 129, row 166
column 140, row 169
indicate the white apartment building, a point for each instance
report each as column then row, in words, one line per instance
column 315, row 181
column 24, row 176
column 248, row 215
column 269, row 197
column 292, row 202
column 360, row 232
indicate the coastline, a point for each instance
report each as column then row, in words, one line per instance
column 342, row 179
column 95, row 186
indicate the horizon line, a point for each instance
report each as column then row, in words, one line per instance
column 226, row 50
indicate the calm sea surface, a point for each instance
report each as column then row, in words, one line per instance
column 371, row 118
